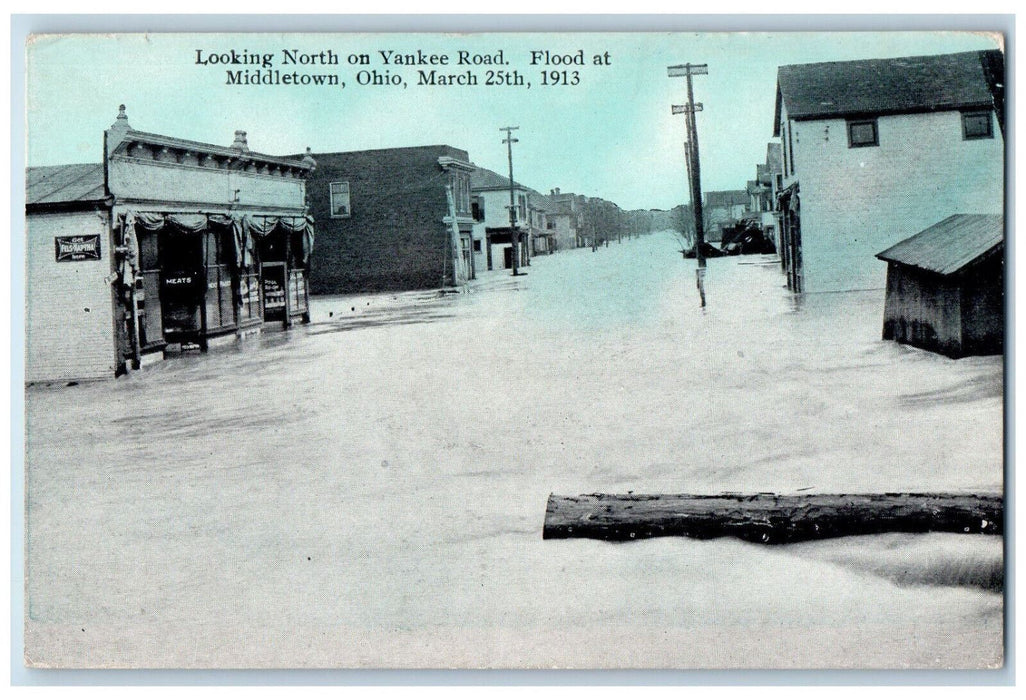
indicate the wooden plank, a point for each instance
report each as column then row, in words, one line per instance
column 767, row 517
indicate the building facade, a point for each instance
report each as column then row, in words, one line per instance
column 874, row 151
column 391, row 219
column 168, row 244
column 494, row 231
column 565, row 218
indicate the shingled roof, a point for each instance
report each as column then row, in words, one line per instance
column 888, row 86
column 950, row 245
column 61, row 184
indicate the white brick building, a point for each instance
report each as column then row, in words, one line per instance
column 877, row 150
column 168, row 243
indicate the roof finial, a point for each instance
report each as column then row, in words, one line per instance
column 121, row 123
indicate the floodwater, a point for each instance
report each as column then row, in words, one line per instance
column 369, row 490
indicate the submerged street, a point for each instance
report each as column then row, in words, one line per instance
column 369, row 490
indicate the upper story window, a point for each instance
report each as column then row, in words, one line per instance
column 862, row 133
column 977, row 125
column 340, row 204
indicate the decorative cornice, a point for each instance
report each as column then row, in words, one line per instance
column 448, row 162
column 203, row 152
column 232, row 167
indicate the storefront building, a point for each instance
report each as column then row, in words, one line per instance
column 169, row 245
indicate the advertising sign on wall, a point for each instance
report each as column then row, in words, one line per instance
column 71, row 248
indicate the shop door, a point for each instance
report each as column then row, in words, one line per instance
column 507, row 257
column 147, row 293
column 182, row 297
column 274, row 288
column 182, row 285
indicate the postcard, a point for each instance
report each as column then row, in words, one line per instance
column 550, row 350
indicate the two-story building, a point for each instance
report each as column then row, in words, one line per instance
column 495, row 233
column 565, row 219
column 392, row 219
column 876, row 150
column 540, row 211
column 167, row 244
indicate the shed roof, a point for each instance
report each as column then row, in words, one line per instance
column 54, row 184
column 950, row 245
column 885, row 86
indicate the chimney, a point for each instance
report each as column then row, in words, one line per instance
column 240, row 142
column 555, row 191
column 309, row 159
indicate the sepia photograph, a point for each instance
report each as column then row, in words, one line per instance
column 514, row 350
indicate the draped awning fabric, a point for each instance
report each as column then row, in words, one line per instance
column 261, row 226
column 245, row 230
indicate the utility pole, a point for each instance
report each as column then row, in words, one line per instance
column 694, row 169
column 513, row 232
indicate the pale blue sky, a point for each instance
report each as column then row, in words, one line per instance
column 611, row 136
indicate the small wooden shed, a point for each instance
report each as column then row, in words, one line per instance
column 945, row 287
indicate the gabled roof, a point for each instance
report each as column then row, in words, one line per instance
column 59, row 184
column 950, row 245
column 484, row 179
column 537, row 200
column 885, row 86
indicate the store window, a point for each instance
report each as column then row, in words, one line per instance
column 341, row 207
column 862, row 133
column 220, row 298
column 977, row 125
column 249, row 297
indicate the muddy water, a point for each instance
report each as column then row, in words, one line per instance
column 369, row 490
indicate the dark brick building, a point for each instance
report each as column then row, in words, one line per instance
column 383, row 220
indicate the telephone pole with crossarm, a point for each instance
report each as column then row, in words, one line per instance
column 694, row 168
column 514, row 232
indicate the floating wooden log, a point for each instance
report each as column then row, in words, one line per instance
column 767, row 517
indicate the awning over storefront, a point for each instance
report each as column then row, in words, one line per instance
column 245, row 228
